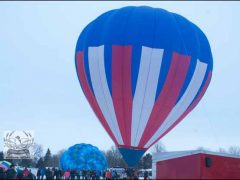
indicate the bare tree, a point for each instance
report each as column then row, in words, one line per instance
column 37, row 151
column 40, row 163
column 235, row 150
column 114, row 158
column 222, row 150
column 202, row 148
column 145, row 162
column 55, row 160
column 60, row 153
column 158, row 147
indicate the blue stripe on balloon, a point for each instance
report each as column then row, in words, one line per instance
column 136, row 55
column 191, row 44
column 108, row 65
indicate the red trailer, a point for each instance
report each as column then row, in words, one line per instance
column 196, row 164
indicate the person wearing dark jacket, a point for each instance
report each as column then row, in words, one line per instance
column 19, row 174
column 31, row 175
column 11, row 172
column 72, row 174
column 38, row 173
column 57, row 173
column 60, row 172
column 146, row 175
column 49, row 174
column 2, row 174
column 43, row 173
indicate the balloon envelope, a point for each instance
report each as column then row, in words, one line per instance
column 83, row 157
column 5, row 165
column 142, row 70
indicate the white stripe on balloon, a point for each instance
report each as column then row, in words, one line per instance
column 183, row 103
column 101, row 90
column 144, row 98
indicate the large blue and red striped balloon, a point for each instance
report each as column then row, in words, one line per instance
column 142, row 70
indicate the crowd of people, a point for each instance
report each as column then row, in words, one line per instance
column 13, row 173
column 49, row 173
column 55, row 173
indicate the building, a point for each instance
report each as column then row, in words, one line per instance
column 197, row 164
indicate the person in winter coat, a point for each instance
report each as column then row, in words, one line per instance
column 108, row 175
column 60, row 172
column 31, row 175
column 43, row 173
column 11, row 172
column 25, row 172
column 66, row 175
column 38, row 173
column 56, row 173
column 2, row 173
column 72, row 174
column 146, row 176
column 19, row 174
column 49, row 174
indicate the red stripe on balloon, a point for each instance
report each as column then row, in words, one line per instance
column 190, row 108
column 89, row 94
column 122, row 89
column 168, row 96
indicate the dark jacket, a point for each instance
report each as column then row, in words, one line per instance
column 38, row 172
column 11, row 174
column 2, row 174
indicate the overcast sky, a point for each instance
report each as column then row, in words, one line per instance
column 39, row 89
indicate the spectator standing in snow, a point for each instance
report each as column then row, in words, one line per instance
column 43, row 173
column 108, row 175
column 11, row 172
column 25, row 172
column 66, row 174
column 38, row 173
column 2, row 173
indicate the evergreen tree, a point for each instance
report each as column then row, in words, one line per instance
column 1, row 156
column 40, row 163
column 48, row 158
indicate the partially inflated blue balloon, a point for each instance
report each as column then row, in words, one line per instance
column 83, row 157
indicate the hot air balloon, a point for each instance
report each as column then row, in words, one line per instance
column 142, row 70
column 83, row 157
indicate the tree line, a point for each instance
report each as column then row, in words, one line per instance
column 113, row 156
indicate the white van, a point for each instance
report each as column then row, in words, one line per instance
column 121, row 172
